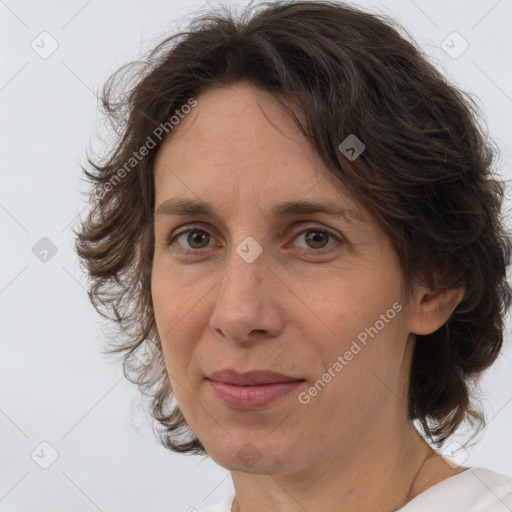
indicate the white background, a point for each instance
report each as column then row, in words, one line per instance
column 55, row 384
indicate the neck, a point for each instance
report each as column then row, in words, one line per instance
column 375, row 476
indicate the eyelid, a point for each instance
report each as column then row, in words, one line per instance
column 303, row 228
column 186, row 228
column 312, row 227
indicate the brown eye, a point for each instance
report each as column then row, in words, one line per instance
column 195, row 239
column 192, row 239
column 316, row 238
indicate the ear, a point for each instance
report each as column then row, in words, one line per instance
column 432, row 310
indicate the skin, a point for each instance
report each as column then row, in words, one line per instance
column 293, row 310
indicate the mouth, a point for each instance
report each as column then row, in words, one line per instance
column 251, row 390
column 251, row 378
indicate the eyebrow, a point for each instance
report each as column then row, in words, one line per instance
column 189, row 207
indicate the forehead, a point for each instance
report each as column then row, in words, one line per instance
column 241, row 146
column 231, row 125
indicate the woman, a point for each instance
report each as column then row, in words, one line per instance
column 348, row 285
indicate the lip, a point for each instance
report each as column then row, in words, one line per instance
column 251, row 390
column 250, row 378
column 252, row 397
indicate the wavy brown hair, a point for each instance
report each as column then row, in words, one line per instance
column 426, row 175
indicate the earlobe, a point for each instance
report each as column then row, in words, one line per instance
column 434, row 309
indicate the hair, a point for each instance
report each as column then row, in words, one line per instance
column 426, row 174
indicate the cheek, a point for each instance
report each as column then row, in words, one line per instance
column 180, row 319
column 356, row 378
column 364, row 324
column 168, row 310
column 170, row 301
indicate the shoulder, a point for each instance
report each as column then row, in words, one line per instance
column 475, row 489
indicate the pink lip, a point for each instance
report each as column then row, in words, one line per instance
column 252, row 397
column 251, row 390
column 251, row 378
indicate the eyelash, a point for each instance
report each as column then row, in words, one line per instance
column 323, row 251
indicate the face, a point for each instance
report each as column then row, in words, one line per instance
column 313, row 295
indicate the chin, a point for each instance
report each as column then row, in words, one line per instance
column 253, row 454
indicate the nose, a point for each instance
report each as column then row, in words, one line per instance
column 246, row 302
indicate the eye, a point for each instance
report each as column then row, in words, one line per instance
column 316, row 238
column 194, row 239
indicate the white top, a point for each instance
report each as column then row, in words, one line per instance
column 473, row 490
